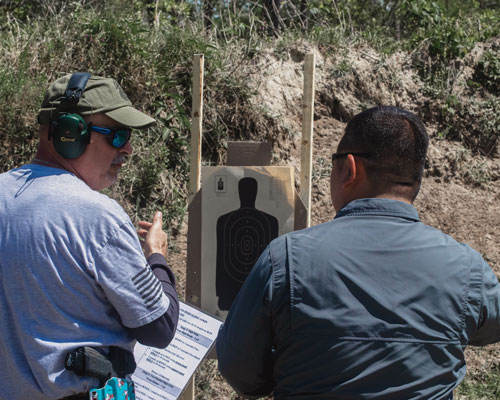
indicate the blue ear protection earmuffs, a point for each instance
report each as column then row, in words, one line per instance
column 69, row 132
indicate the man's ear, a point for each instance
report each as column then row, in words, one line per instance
column 351, row 173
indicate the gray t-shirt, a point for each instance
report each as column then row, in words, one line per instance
column 72, row 273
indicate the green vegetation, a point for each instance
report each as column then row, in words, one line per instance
column 483, row 387
column 147, row 45
column 474, row 122
column 487, row 72
column 153, row 64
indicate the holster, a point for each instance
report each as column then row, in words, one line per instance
column 86, row 361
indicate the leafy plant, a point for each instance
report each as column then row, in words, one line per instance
column 474, row 122
column 426, row 21
column 341, row 69
column 487, row 71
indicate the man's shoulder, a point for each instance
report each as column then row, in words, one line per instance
column 73, row 191
column 444, row 238
column 302, row 236
column 334, row 231
column 313, row 231
column 92, row 198
column 61, row 192
column 98, row 206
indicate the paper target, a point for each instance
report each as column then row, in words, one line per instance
column 242, row 235
column 244, row 209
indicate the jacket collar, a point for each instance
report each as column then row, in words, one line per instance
column 381, row 207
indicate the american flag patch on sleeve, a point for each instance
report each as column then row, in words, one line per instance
column 148, row 286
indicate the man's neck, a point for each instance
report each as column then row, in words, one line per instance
column 393, row 197
column 390, row 196
column 52, row 164
column 47, row 158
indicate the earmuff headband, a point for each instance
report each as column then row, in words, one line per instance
column 76, row 86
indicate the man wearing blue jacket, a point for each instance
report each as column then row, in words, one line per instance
column 372, row 304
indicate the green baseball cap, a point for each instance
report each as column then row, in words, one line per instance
column 101, row 95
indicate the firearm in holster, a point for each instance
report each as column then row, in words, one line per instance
column 86, row 361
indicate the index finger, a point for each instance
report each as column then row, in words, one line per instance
column 145, row 224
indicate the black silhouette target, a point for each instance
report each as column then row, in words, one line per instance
column 242, row 235
column 249, row 232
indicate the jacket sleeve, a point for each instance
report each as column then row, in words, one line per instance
column 244, row 343
column 488, row 324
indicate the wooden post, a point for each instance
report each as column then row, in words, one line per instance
column 196, row 137
column 196, row 124
column 307, row 135
column 189, row 392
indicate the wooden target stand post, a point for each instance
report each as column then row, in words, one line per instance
column 252, row 158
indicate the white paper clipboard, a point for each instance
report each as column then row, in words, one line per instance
column 162, row 374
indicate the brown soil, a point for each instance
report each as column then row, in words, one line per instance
column 460, row 192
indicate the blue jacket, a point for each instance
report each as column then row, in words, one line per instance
column 371, row 305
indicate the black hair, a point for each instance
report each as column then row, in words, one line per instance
column 396, row 141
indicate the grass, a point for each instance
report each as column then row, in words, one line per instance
column 484, row 387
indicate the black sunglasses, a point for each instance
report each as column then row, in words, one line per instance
column 336, row 156
column 118, row 137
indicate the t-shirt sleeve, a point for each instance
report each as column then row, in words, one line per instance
column 127, row 279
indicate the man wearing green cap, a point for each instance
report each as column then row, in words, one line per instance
column 72, row 270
